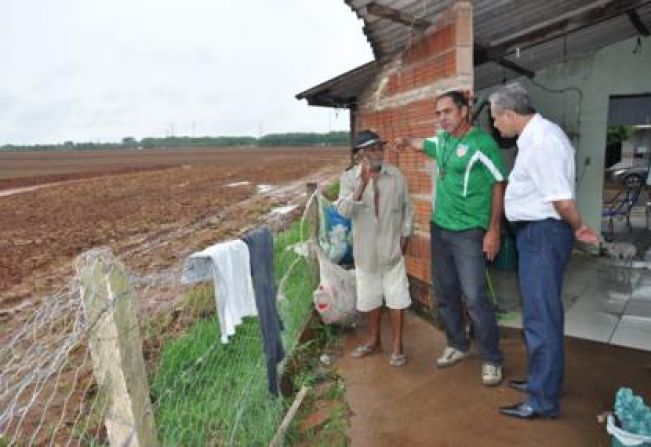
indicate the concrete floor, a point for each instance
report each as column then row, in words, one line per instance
column 419, row 405
column 605, row 300
column 608, row 345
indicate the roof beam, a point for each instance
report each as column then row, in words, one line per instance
column 515, row 67
column 397, row 16
column 563, row 25
column 637, row 22
column 326, row 99
column 326, row 102
column 482, row 56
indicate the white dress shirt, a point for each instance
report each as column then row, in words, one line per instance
column 543, row 172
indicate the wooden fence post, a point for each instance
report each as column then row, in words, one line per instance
column 116, row 349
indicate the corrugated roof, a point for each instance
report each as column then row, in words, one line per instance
column 577, row 43
column 530, row 33
column 342, row 90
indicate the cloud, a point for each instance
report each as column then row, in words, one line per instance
column 99, row 71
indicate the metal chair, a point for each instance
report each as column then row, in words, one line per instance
column 620, row 206
column 647, row 212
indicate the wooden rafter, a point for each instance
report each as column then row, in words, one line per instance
column 563, row 25
column 637, row 22
column 483, row 56
column 397, row 16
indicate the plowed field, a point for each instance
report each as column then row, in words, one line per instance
column 151, row 207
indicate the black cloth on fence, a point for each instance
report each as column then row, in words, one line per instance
column 261, row 253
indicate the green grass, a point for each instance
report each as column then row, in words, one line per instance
column 209, row 394
column 326, row 388
column 332, row 191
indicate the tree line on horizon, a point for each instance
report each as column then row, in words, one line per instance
column 337, row 138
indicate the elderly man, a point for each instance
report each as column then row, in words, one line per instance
column 465, row 230
column 540, row 203
column 374, row 196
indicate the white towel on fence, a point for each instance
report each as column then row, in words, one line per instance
column 227, row 263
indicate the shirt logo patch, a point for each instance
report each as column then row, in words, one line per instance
column 462, row 150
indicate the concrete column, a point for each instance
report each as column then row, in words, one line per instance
column 116, row 349
column 462, row 14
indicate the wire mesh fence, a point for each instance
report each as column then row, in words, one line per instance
column 202, row 392
column 47, row 392
column 212, row 394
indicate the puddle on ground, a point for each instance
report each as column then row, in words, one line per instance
column 11, row 192
column 237, row 184
column 283, row 209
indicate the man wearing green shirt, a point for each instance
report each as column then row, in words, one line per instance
column 465, row 229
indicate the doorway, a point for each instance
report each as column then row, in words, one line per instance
column 626, row 212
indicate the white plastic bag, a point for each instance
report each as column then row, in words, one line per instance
column 335, row 298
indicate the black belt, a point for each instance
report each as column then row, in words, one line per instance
column 518, row 225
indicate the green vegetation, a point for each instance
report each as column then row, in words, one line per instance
column 323, row 417
column 332, row 191
column 206, row 393
column 131, row 143
column 305, row 139
column 192, row 142
column 617, row 134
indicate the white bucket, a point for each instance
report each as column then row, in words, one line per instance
column 625, row 438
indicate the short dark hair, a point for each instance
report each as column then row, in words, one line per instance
column 458, row 97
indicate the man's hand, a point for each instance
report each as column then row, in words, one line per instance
column 586, row 234
column 365, row 174
column 403, row 244
column 403, row 143
column 491, row 245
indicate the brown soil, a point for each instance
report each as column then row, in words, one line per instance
column 151, row 207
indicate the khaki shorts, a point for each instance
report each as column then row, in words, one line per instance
column 374, row 289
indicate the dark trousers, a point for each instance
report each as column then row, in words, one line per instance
column 544, row 249
column 459, row 267
column 261, row 255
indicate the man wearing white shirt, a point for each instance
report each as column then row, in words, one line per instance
column 540, row 203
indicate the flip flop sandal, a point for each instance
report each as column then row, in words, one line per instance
column 363, row 351
column 398, row 360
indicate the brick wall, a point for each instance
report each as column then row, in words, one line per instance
column 400, row 102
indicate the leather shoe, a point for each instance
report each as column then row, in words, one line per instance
column 523, row 411
column 520, row 385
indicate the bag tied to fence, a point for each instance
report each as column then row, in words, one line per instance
column 335, row 234
column 335, row 298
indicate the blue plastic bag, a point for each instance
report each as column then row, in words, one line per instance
column 335, row 233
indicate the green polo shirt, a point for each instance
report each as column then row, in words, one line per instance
column 467, row 168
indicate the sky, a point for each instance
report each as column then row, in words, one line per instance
column 97, row 70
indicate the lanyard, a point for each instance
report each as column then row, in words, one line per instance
column 447, row 152
column 445, row 157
